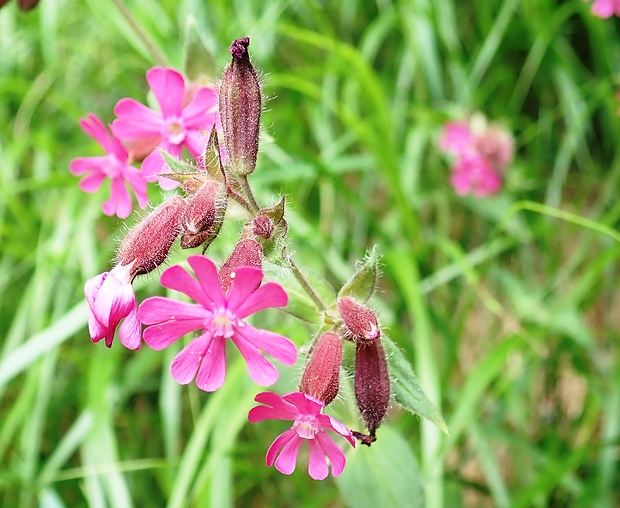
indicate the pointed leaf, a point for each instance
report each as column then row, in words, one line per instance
column 276, row 212
column 406, row 387
column 362, row 285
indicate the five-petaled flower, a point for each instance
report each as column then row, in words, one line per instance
column 111, row 298
column 219, row 316
column 310, row 425
column 176, row 126
column 113, row 165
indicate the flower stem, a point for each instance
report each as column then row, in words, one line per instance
column 142, row 35
column 239, row 199
column 249, row 194
column 306, row 285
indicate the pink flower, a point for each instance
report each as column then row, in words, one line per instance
column 114, row 165
column 457, row 138
column 606, row 8
column 175, row 125
column 111, row 298
column 218, row 316
column 473, row 175
column 482, row 150
column 309, row 425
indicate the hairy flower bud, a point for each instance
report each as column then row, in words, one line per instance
column 372, row 383
column 240, row 103
column 147, row 244
column 321, row 375
column 203, row 215
column 246, row 253
column 262, row 227
column 360, row 322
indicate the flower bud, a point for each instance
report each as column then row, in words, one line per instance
column 240, row 104
column 321, row 375
column 262, row 227
column 372, row 383
column 360, row 322
column 246, row 253
column 146, row 246
column 203, row 215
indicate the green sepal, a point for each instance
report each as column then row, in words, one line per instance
column 301, row 307
column 406, row 388
column 362, row 285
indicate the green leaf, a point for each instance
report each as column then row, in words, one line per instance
column 385, row 474
column 301, row 307
column 362, row 285
column 406, row 387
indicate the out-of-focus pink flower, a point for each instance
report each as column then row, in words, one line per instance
column 605, row 8
column 111, row 298
column 309, row 425
column 176, row 125
column 482, row 152
column 113, row 165
column 218, row 316
column 474, row 175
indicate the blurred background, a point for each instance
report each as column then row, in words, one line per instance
column 507, row 307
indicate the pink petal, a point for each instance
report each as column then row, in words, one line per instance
column 92, row 182
column 329, row 423
column 158, row 309
column 333, row 452
column 206, row 273
column 196, row 142
column 114, row 301
column 278, row 346
column 169, row 87
column 201, row 112
column 81, row 165
column 275, row 409
column 178, row 279
column 95, row 329
column 603, row 8
column 246, row 281
column 286, row 461
column 267, row 296
column 96, row 130
column 151, row 166
column 138, row 184
column 278, row 444
column 161, row 335
column 186, row 363
column 120, row 200
column 212, row 372
column 261, row 371
column 306, row 404
column 135, row 120
column 317, row 465
column 130, row 332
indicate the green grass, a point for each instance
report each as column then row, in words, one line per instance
column 506, row 307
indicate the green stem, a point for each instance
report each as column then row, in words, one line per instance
column 142, row 35
column 306, row 285
column 239, row 199
column 249, row 194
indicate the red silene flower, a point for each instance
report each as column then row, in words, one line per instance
column 177, row 125
column 309, row 425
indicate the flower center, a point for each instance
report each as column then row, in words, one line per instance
column 222, row 324
column 112, row 167
column 306, row 427
column 174, row 132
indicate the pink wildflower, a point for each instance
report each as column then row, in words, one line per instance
column 606, row 8
column 218, row 316
column 114, row 165
column 474, row 175
column 111, row 298
column 310, row 425
column 482, row 152
column 176, row 126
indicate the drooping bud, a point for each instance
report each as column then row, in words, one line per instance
column 146, row 246
column 360, row 322
column 240, row 103
column 321, row 375
column 203, row 215
column 372, row 384
column 246, row 253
